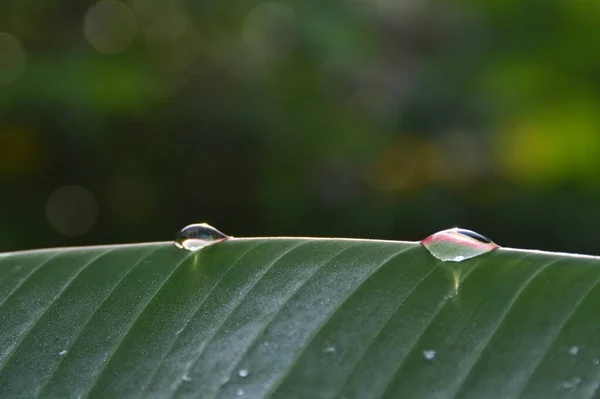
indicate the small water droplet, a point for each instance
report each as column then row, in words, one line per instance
column 243, row 373
column 186, row 378
column 456, row 245
column 197, row 236
column 570, row 385
column 573, row 350
column 239, row 392
column 429, row 354
column 62, row 353
column 596, row 362
column 329, row 349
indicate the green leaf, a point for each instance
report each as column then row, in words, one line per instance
column 297, row 318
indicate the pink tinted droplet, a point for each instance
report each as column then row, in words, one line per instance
column 456, row 244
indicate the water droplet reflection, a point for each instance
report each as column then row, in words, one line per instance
column 197, row 236
column 456, row 245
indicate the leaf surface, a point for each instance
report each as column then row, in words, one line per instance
column 297, row 318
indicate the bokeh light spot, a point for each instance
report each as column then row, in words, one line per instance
column 553, row 145
column 173, row 42
column 12, row 58
column 269, row 30
column 72, row 210
column 19, row 151
column 110, row 26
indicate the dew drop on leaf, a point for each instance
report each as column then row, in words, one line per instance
column 456, row 245
column 243, row 373
column 570, row 385
column 239, row 392
column 429, row 354
column 197, row 236
column 573, row 350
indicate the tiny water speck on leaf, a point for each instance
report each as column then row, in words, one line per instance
column 243, row 373
column 573, row 350
column 570, row 385
column 186, row 377
column 329, row 349
column 429, row 354
column 239, row 392
column 62, row 353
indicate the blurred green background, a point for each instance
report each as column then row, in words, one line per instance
column 125, row 121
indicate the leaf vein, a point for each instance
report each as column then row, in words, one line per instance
column 38, row 317
column 87, row 321
column 417, row 339
column 252, row 343
column 502, row 319
column 192, row 363
column 191, row 317
column 135, row 319
column 313, row 335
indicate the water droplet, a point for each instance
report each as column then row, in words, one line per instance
column 573, row 350
column 243, row 373
column 62, row 353
column 329, row 349
column 429, row 354
column 570, row 385
column 186, row 378
column 456, row 245
column 239, row 392
column 596, row 362
column 197, row 236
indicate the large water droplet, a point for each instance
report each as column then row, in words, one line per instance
column 197, row 236
column 456, row 245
